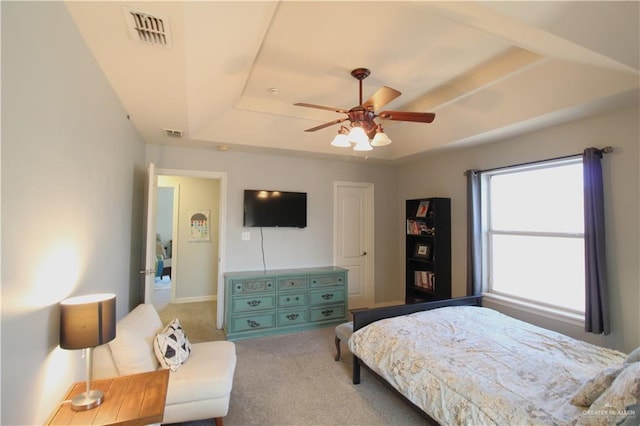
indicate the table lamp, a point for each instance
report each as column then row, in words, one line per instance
column 86, row 322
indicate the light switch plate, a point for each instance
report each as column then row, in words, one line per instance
column 246, row 236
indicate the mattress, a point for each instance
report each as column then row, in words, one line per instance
column 474, row 365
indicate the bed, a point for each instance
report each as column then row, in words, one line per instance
column 460, row 363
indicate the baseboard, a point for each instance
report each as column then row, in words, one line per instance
column 195, row 299
column 392, row 303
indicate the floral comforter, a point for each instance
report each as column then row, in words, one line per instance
column 471, row 365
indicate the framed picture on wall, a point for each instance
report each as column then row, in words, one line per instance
column 199, row 229
column 422, row 251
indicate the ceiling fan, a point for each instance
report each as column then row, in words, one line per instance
column 363, row 117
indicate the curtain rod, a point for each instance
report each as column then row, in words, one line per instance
column 605, row 150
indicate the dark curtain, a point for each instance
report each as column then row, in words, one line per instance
column 474, row 234
column 596, row 294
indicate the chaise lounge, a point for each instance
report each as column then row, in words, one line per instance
column 199, row 388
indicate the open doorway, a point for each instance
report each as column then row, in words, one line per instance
column 195, row 274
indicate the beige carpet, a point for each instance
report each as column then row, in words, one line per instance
column 293, row 380
column 198, row 319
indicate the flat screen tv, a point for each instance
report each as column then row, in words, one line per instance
column 275, row 209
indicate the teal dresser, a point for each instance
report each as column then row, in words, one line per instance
column 259, row 303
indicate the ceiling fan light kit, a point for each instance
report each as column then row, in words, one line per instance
column 381, row 138
column 365, row 132
column 342, row 139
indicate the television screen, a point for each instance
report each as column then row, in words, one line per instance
column 275, row 208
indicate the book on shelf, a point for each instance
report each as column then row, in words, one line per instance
column 425, row 279
column 423, row 207
column 418, row 227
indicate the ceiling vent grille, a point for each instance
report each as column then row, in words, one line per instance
column 173, row 133
column 148, row 29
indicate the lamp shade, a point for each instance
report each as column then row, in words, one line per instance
column 380, row 139
column 87, row 321
column 341, row 141
column 363, row 145
column 358, row 136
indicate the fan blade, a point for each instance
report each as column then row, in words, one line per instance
column 302, row 104
column 420, row 117
column 322, row 126
column 383, row 96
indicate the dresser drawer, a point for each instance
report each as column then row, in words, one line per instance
column 252, row 303
column 289, row 300
column 326, row 313
column 293, row 283
column 266, row 303
column 256, row 321
column 327, row 279
column 248, row 286
column 327, row 295
column 292, row 317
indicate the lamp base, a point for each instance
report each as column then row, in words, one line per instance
column 87, row 400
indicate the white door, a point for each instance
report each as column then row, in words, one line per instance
column 353, row 239
column 150, row 235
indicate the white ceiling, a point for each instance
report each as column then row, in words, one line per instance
column 487, row 69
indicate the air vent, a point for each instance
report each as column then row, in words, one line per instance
column 173, row 133
column 147, row 28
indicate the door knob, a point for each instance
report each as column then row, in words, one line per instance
column 364, row 253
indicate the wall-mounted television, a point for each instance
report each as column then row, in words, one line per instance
column 275, row 209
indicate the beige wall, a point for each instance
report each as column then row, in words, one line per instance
column 195, row 265
column 441, row 174
column 72, row 179
column 288, row 247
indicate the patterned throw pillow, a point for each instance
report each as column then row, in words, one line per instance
column 171, row 345
column 593, row 388
column 612, row 407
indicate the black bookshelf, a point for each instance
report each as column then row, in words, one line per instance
column 428, row 249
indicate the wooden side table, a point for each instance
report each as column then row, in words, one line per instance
column 137, row 399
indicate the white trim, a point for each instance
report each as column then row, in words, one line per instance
column 385, row 304
column 536, row 309
column 488, row 232
column 222, row 223
column 195, row 299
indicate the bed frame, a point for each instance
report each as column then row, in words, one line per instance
column 366, row 317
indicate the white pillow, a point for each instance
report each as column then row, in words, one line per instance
column 611, row 407
column 171, row 345
column 593, row 388
column 132, row 349
column 634, row 356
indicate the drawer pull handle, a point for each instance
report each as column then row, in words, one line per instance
column 254, row 302
column 327, row 312
column 253, row 324
column 292, row 316
column 327, row 296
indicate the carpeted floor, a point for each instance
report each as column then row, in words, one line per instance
column 293, row 380
column 198, row 319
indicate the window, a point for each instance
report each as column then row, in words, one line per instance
column 533, row 218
